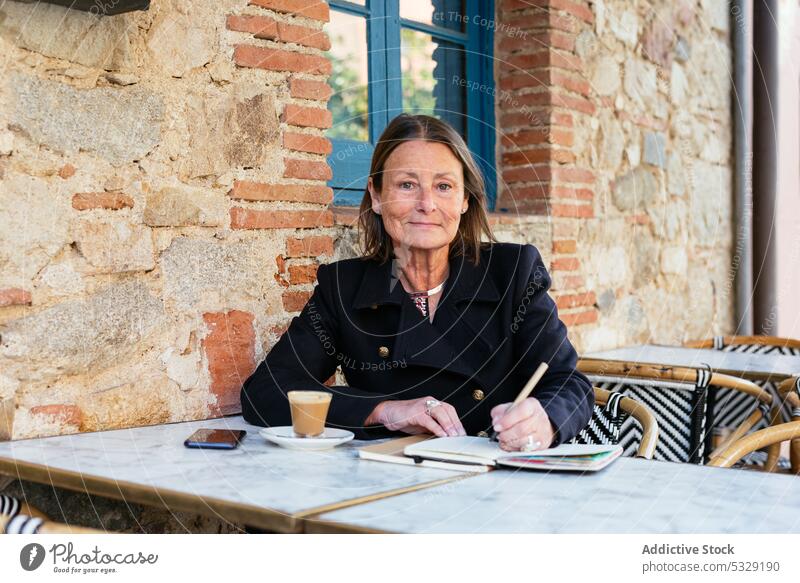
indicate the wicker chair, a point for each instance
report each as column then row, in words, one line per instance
column 10, row 507
column 23, row 524
column 750, row 344
column 789, row 391
column 755, row 441
column 677, row 396
column 610, row 410
column 731, row 408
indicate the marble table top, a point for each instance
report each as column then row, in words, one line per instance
column 630, row 496
column 259, row 484
column 754, row 366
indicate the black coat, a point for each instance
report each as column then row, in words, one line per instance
column 492, row 327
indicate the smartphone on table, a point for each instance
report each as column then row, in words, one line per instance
column 215, row 438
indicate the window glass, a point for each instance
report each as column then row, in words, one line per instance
column 349, row 79
column 432, row 71
column 445, row 13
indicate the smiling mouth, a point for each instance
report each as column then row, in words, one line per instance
column 425, row 224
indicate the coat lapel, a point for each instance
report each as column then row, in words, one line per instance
column 374, row 288
column 456, row 341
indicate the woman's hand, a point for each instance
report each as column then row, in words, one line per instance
column 515, row 425
column 411, row 416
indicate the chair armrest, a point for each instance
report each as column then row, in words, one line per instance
column 757, row 440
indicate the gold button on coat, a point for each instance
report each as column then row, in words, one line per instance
column 383, row 352
column 482, row 434
column 477, row 394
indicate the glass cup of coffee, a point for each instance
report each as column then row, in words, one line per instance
column 309, row 410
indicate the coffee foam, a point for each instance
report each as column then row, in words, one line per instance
column 308, row 397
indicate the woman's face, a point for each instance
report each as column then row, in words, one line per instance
column 422, row 196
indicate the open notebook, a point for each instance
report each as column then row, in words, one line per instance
column 478, row 454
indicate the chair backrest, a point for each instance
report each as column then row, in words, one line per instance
column 750, row 344
column 790, row 393
column 678, row 397
column 731, row 408
column 610, row 410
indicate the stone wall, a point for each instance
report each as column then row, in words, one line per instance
column 615, row 124
column 163, row 205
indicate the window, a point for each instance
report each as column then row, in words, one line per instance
column 394, row 56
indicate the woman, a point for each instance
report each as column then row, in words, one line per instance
column 434, row 331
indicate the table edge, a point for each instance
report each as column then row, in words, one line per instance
column 256, row 516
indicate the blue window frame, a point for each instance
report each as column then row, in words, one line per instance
column 451, row 45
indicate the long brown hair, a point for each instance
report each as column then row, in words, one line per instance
column 474, row 223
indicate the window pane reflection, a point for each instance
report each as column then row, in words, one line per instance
column 445, row 13
column 433, row 77
column 348, row 54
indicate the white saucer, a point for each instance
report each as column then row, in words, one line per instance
column 285, row 437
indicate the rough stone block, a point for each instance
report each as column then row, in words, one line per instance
column 605, row 76
column 657, row 42
column 145, row 401
column 635, row 190
column 678, row 85
column 177, row 206
column 624, row 26
column 716, row 14
column 34, row 228
column 655, row 149
column 676, row 179
column 607, row 266
column 674, row 260
column 208, row 273
column 644, row 258
column 230, row 131
column 667, row 219
column 76, row 336
column 710, row 203
column 182, row 42
column 611, row 143
column 6, row 143
column 118, row 125
column 114, row 246
column 72, row 35
column 682, row 50
column 640, row 82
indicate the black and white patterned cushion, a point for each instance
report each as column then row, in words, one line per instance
column 732, row 407
column 22, row 524
column 604, row 426
column 9, row 506
column 679, row 407
column 718, row 343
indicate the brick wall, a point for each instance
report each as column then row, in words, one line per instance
column 541, row 92
column 614, row 124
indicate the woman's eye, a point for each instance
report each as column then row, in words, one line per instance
column 406, row 185
column 444, row 187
